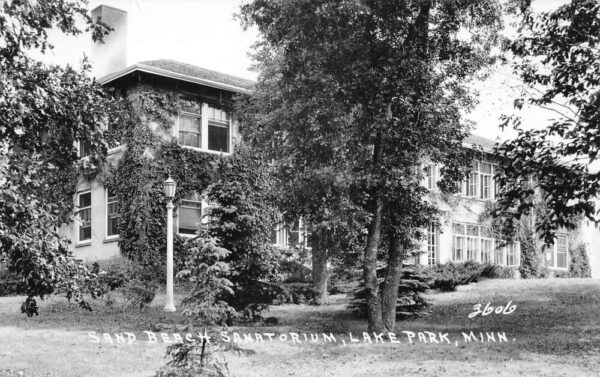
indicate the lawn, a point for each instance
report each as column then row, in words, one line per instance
column 554, row 331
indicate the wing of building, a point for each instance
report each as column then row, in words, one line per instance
column 206, row 126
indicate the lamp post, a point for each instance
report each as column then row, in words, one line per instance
column 169, row 187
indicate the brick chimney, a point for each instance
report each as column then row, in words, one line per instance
column 110, row 56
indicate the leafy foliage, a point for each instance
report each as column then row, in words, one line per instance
column 353, row 96
column 559, row 59
column 43, row 111
column 138, row 181
column 242, row 217
column 579, row 267
column 206, row 270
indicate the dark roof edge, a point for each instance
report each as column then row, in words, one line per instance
column 174, row 75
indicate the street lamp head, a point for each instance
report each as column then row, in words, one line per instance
column 169, row 187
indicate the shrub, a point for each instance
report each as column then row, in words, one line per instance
column 297, row 293
column 10, row 284
column 138, row 294
column 113, row 273
column 580, row 263
column 448, row 276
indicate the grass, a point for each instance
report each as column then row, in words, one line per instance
column 553, row 332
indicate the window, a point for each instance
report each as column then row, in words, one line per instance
column 499, row 255
column 190, row 214
column 298, row 234
column 84, row 206
column 512, row 254
column 458, row 242
column 487, row 244
column 432, row 244
column 472, row 185
column 84, row 148
column 476, row 242
column 218, row 130
column 480, row 182
column 485, row 170
column 560, row 249
column 279, row 235
column 431, row 176
column 190, row 130
column 112, row 214
column 472, row 242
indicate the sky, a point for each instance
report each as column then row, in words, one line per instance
column 205, row 33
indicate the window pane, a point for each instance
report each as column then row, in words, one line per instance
column 458, row 228
column 458, row 248
column 84, row 148
column 486, row 250
column 472, row 185
column 432, row 244
column 472, row 230
column 85, row 200
column 561, row 251
column 472, row 248
column 218, row 138
column 486, row 186
column 189, row 219
column 485, row 168
column 112, row 214
column 190, row 130
column 499, row 256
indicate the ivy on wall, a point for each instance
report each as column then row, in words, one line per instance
column 150, row 156
column 237, row 187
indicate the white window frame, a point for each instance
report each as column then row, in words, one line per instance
column 472, row 186
column 433, row 244
column 195, row 115
column 514, row 250
column 79, row 223
column 106, row 235
column 554, row 252
column 472, row 245
column 218, row 123
column 204, row 119
column 431, row 177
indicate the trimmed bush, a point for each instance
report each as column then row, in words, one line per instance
column 580, row 263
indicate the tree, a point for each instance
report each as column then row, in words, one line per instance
column 558, row 58
column 363, row 92
column 44, row 110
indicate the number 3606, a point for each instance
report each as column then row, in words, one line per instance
column 487, row 310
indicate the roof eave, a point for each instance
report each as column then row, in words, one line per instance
column 166, row 73
column 473, row 145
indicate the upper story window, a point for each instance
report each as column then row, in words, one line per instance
column 480, row 182
column 431, row 176
column 84, row 148
column 218, row 130
column 205, row 127
column 84, row 206
column 190, row 214
column 190, row 130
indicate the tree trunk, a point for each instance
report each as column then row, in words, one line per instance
column 370, row 271
column 319, row 264
column 393, row 276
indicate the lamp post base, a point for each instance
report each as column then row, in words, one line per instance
column 169, row 308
